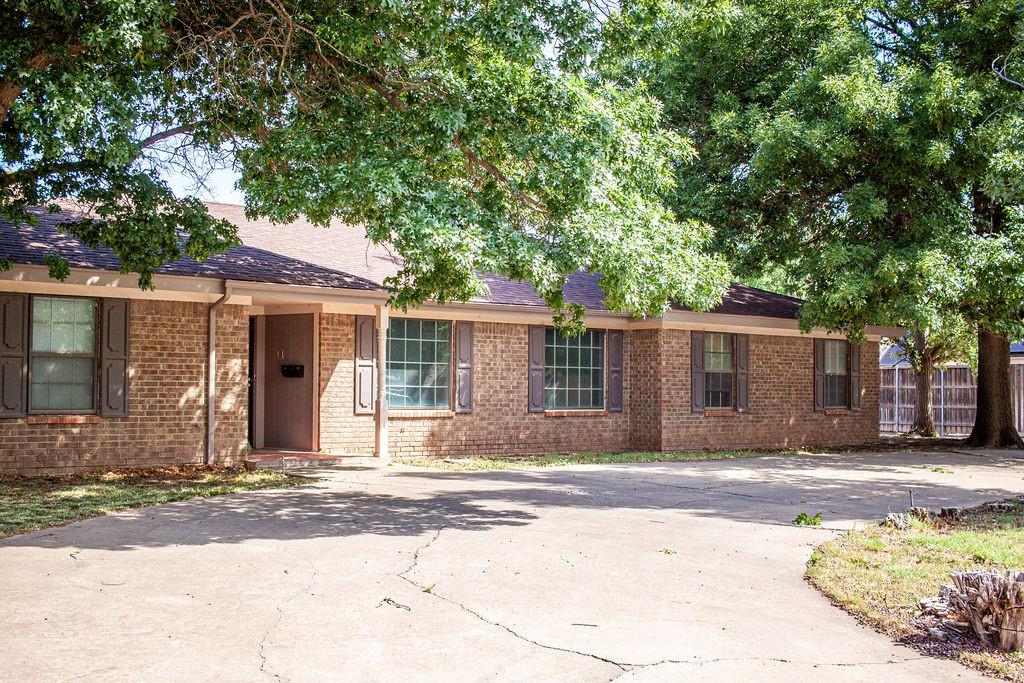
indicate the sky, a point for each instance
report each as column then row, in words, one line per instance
column 220, row 186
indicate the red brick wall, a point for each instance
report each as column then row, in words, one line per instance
column 656, row 417
column 341, row 431
column 168, row 377
column 644, row 350
column 781, row 400
column 499, row 423
column 167, row 414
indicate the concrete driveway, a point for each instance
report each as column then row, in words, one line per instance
column 550, row 574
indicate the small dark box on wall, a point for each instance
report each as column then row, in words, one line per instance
column 293, row 370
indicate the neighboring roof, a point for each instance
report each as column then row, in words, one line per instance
column 29, row 244
column 890, row 356
column 345, row 247
column 339, row 256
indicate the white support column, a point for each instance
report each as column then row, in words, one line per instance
column 381, row 444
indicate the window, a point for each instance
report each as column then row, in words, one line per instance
column 419, row 363
column 837, row 374
column 62, row 367
column 718, row 370
column 573, row 370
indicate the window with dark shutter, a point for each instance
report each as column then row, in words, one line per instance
column 573, row 370
column 62, row 355
column 837, row 374
column 13, row 355
column 419, row 364
column 114, row 342
column 719, row 359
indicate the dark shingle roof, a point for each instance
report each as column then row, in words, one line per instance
column 339, row 256
column 29, row 244
column 345, row 247
column 746, row 300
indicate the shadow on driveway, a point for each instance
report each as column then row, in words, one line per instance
column 763, row 490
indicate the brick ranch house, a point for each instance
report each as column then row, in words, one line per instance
column 95, row 372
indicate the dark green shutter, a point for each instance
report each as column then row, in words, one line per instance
column 854, row 376
column 464, row 366
column 13, row 355
column 114, row 342
column 535, row 391
column 697, row 371
column 366, row 356
column 615, row 362
column 742, row 350
column 819, row 374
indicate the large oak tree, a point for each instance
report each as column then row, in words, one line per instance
column 467, row 133
column 866, row 147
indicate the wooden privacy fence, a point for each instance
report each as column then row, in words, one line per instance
column 954, row 394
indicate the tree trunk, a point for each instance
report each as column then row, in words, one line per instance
column 923, row 423
column 993, row 425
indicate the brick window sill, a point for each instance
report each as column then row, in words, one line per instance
column 420, row 414
column 63, row 419
column 575, row 413
column 838, row 411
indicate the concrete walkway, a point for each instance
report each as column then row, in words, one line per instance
column 393, row 573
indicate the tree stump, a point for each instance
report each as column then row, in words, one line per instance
column 992, row 603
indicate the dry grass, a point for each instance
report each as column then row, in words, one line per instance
column 473, row 464
column 879, row 574
column 898, row 444
column 30, row 503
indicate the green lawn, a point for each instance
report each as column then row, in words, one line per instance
column 880, row 573
column 30, row 503
column 505, row 463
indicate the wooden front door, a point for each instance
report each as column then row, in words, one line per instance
column 290, row 374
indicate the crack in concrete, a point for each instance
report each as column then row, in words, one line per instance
column 277, row 622
column 624, row 667
column 430, row 591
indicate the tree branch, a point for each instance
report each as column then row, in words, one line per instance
column 163, row 135
column 1001, row 71
column 11, row 88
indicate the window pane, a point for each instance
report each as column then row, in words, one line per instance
column 574, row 370
column 835, row 357
column 63, row 325
column 62, row 383
column 718, row 370
column 836, row 391
column 419, row 363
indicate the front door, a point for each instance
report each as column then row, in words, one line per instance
column 288, row 386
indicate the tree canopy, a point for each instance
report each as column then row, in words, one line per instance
column 469, row 134
column 868, row 147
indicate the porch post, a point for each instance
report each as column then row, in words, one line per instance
column 381, row 442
